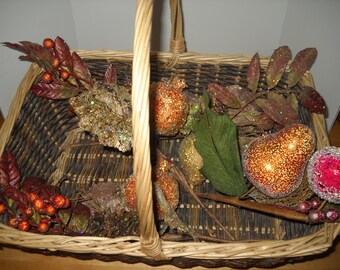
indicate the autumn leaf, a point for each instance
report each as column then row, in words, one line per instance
column 81, row 71
column 54, row 90
column 216, row 142
column 76, row 218
column 224, row 95
column 277, row 65
column 110, row 76
column 279, row 109
column 9, row 170
column 253, row 72
column 302, row 62
column 63, row 53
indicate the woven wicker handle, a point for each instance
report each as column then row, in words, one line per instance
column 151, row 244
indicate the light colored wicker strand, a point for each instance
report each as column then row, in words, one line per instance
column 303, row 246
column 150, row 242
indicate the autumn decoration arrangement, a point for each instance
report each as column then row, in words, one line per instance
column 245, row 142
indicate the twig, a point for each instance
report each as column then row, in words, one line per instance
column 183, row 237
column 182, row 180
column 252, row 205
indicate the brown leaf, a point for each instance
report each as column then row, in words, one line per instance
column 39, row 54
column 9, row 170
column 54, row 90
column 224, row 95
column 15, row 46
column 253, row 73
column 302, row 62
column 279, row 109
column 277, row 65
column 110, row 76
column 81, row 70
column 63, row 53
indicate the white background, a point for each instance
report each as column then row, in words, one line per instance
column 211, row 26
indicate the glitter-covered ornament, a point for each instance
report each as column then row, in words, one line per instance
column 105, row 111
column 169, row 106
column 275, row 163
column 191, row 160
column 324, row 173
column 163, row 177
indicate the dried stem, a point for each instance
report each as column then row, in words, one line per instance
column 252, row 205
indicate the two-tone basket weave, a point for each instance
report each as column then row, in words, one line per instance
column 36, row 131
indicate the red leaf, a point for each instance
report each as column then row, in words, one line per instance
column 54, row 90
column 63, row 53
column 9, row 170
column 253, row 73
column 224, row 95
column 39, row 54
column 302, row 62
column 110, row 76
column 312, row 100
column 277, row 65
column 39, row 186
column 81, row 70
column 16, row 46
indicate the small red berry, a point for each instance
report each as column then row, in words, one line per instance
column 32, row 196
column 2, row 208
column 47, row 77
column 39, row 204
column 55, row 62
column 50, row 210
column 24, row 225
column 13, row 222
column 59, row 201
column 48, row 43
column 315, row 216
column 303, row 207
column 332, row 214
column 67, row 203
column 314, row 203
column 64, row 74
column 28, row 212
column 43, row 226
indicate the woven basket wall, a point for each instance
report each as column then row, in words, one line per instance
column 39, row 132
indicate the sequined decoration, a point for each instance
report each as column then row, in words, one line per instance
column 169, row 106
column 106, row 112
column 324, row 173
column 165, row 180
column 275, row 163
column 191, row 160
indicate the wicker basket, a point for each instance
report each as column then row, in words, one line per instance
column 36, row 130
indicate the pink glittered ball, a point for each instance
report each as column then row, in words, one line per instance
column 324, row 173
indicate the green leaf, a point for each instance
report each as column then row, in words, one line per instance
column 216, row 142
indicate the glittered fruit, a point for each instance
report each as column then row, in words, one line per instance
column 191, row 160
column 275, row 163
column 316, row 216
column 48, row 43
column 332, row 214
column 47, row 77
column 303, row 207
column 24, row 225
column 169, row 105
column 323, row 172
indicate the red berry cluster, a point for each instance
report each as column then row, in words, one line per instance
column 44, row 211
column 47, row 76
column 317, row 215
